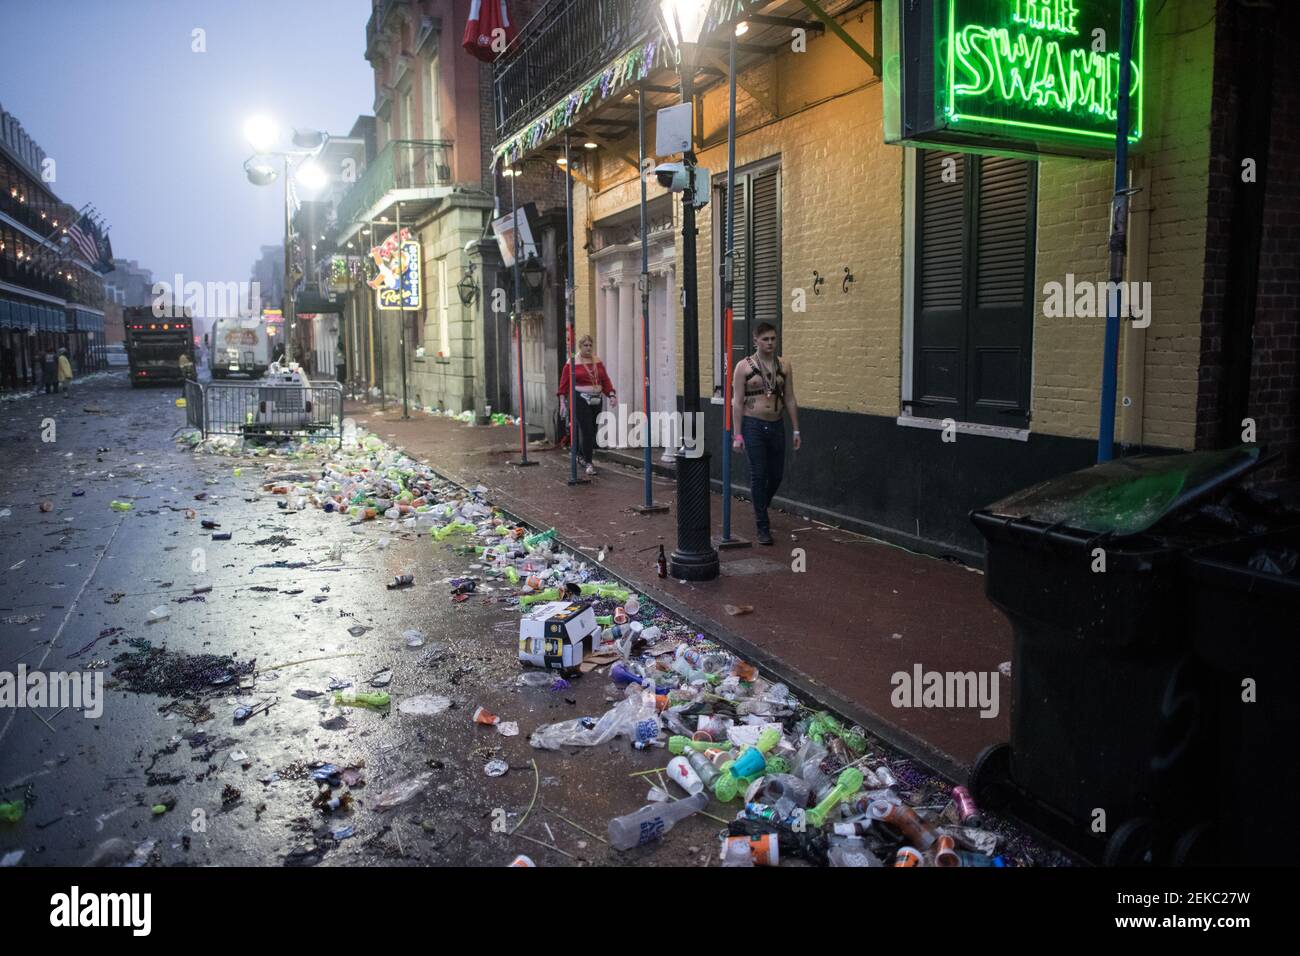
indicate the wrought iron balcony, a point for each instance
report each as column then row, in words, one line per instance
column 563, row 44
column 405, row 169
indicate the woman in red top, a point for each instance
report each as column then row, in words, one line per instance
column 590, row 383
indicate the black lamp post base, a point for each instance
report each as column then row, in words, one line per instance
column 654, row 508
column 694, row 559
column 727, row 543
column 523, row 463
column 695, row 566
column 578, row 481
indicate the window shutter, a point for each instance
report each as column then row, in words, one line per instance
column 938, row 346
column 740, row 293
column 1000, row 325
column 765, row 261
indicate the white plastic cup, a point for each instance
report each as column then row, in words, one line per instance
column 684, row 775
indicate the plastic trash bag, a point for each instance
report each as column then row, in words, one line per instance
column 632, row 718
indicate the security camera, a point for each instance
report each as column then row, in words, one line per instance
column 677, row 177
column 672, row 176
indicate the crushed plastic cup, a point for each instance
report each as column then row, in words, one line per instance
column 495, row 768
column 401, row 793
column 158, row 614
column 484, row 716
column 413, row 637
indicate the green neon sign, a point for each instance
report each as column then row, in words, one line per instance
column 1038, row 70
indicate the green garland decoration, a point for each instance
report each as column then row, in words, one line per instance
column 629, row 67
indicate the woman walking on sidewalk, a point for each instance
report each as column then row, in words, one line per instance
column 761, row 390
column 590, row 384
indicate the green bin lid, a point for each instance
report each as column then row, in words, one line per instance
column 1127, row 495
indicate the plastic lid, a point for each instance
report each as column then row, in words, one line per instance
column 1127, row 495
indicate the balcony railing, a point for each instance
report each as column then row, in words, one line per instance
column 401, row 164
column 562, row 45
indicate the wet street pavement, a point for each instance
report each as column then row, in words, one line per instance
column 293, row 601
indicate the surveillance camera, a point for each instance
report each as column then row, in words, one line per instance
column 672, row 176
column 678, row 177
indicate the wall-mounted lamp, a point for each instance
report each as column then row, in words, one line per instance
column 467, row 287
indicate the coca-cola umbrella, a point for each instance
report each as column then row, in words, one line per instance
column 489, row 29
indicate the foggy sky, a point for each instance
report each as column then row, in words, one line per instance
column 151, row 132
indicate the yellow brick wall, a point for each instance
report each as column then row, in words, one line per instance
column 1073, row 218
column 842, row 205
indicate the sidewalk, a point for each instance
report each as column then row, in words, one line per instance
column 860, row 612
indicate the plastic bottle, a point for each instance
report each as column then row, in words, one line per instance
column 849, row 783
column 375, row 701
column 651, row 822
column 533, row 540
column 706, row 772
column 903, row 819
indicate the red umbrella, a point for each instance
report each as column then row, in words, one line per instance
column 489, row 29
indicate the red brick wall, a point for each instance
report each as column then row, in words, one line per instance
column 1273, row 399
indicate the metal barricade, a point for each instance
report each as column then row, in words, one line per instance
column 194, row 404
column 262, row 409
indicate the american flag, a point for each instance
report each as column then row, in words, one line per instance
column 84, row 243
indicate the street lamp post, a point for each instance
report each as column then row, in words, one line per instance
column 523, row 461
column 262, row 134
column 695, row 558
column 287, row 305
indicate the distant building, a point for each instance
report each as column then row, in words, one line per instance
column 52, row 260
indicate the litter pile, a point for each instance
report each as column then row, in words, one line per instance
column 146, row 669
column 800, row 784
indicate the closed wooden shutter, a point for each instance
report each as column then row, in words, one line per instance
column 765, row 257
column 740, row 297
column 1000, row 321
column 757, row 293
column 939, row 372
column 974, row 313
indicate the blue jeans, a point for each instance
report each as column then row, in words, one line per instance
column 765, row 449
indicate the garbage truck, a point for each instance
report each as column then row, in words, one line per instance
column 240, row 346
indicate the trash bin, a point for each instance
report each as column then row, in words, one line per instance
column 1106, row 701
column 1245, row 609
